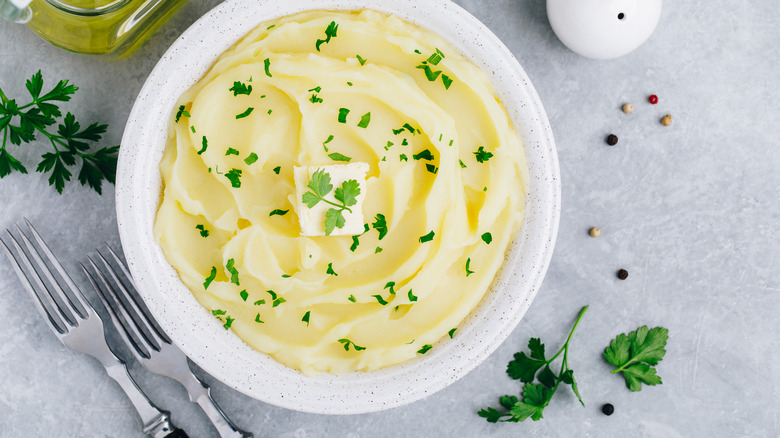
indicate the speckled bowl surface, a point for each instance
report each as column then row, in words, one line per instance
column 225, row 356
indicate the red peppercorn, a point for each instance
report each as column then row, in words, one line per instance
column 653, row 99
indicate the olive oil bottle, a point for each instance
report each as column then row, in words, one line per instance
column 96, row 27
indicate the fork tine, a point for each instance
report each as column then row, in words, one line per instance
column 54, row 323
column 137, row 351
column 86, row 307
column 134, row 299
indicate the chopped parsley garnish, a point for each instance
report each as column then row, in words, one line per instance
column 389, row 143
column 210, row 278
column 349, row 83
column 205, row 145
column 346, row 194
column 441, row 136
column 330, row 270
column 240, row 88
column 462, row 164
column 228, row 322
column 468, row 271
column 218, row 312
column 451, row 142
column 270, row 27
column 277, row 169
column 431, row 168
column 417, row 51
column 278, row 301
column 330, row 32
column 436, row 57
column 365, row 120
column 487, row 237
column 270, row 111
column 405, row 143
column 343, row 115
column 272, row 293
column 315, row 99
column 330, row 138
column 380, row 300
column 335, row 156
column 286, row 276
column 390, row 285
column 347, row 343
column 181, row 112
column 403, row 157
column 482, row 155
column 452, row 332
column 244, row 294
column 380, row 224
column 427, row 238
column 361, row 60
column 192, row 128
column 231, row 151
column 352, row 298
column 425, row 348
column 355, row 243
column 267, row 64
column 316, row 89
column 446, row 80
column 231, row 267
column 259, row 302
column 306, row 318
column 378, row 250
column 245, row 113
column 424, row 155
column 251, row 159
column 429, row 73
column 258, row 320
column 278, row 212
column 203, row 231
column 234, row 175
column 412, row 297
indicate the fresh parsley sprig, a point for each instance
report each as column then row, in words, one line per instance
column 69, row 141
column 634, row 354
column 536, row 396
column 346, row 195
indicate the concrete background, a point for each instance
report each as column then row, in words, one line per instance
column 690, row 210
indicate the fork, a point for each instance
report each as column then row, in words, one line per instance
column 147, row 341
column 77, row 326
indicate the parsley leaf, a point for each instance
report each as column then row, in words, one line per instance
column 412, row 297
column 425, row 349
column 482, row 155
column 423, row 155
column 231, row 267
column 468, row 271
column 347, row 343
column 251, row 159
column 361, row 60
column 330, row 270
column 306, row 317
column 487, row 238
column 380, row 224
column 278, row 212
column 181, row 112
column 330, row 32
column 335, row 156
column 346, row 194
column 240, row 88
column 636, row 353
column 536, row 396
column 203, row 231
column 364, row 120
column 267, row 64
column 234, row 175
column 210, row 278
column 245, row 113
column 343, row 112
column 427, row 238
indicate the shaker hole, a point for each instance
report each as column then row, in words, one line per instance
column 621, row 16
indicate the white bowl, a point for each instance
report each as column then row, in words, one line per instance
column 221, row 353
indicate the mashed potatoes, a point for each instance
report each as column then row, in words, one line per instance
column 444, row 193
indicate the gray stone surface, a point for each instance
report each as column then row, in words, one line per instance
column 691, row 210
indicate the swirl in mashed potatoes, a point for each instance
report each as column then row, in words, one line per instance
column 443, row 198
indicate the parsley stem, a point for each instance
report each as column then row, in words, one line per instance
column 571, row 333
column 341, row 206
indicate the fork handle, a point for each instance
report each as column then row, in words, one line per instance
column 200, row 393
column 157, row 423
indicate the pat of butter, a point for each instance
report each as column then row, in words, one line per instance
column 312, row 220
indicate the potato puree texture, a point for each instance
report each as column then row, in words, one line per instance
column 318, row 303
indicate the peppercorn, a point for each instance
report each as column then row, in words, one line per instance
column 608, row 409
column 622, row 274
column 628, row 108
column 612, row 139
column 666, row 120
column 653, row 99
column 594, row 232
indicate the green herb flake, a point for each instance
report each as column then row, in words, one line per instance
column 286, row 276
column 390, row 285
column 306, row 317
column 425, row 348
column 231, row 267
column 355, row 243
column 365, row 120
column 228, row 323
column 330, row 32
column 462, row 164
column 210, row 278
column 405, row 143
column 258, row 320
column 315, row 99
column 343, row 115
column 234, row 176
column 378, row 250
column 451, row 142
column 204, row 144
column 231, row 151
column 244, row 294
column 278, row 301
column 218, row 312
column 429, row 73
column 446, row 80
column 487, row 238
column 240, row 88
column 267, row 64
column 412, row 297
column 259, row 302
column 330, row 138
column 272, row 293
column 403, row 157
column 203, row 231
column 482, row 155
column 431, row 168
column 380, row 300
column 468, row 271
column 452, row 332
column 380, row 224
column 245, row 113
column 270, row 111
column 330, row 270
column 251, row 159
column 347, row 343
column 278, row 212
column 192, row 128
column 335, row 156
column 270, row 27
column 427, row 238
column 389, row 144
column 181, row 112
column 361, row 60
column 352, row 298
column 277, row 169
column 349, row 83
column 424, row 155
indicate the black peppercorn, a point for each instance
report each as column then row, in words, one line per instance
column 622, row 274
column 608, row 409
column 612, row 139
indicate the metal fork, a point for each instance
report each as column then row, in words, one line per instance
column 77, row 326
column 148, row 341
